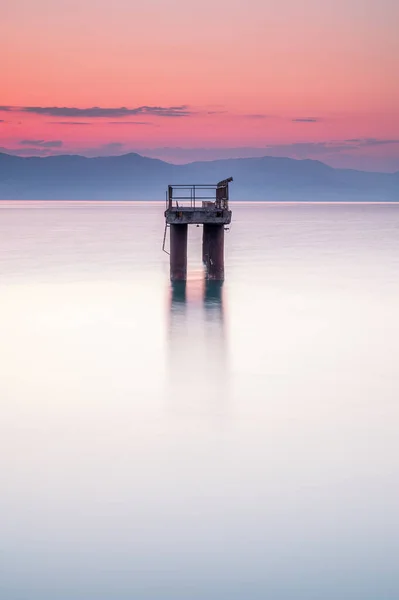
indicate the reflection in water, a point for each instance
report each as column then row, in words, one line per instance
column 197, row 350
column 210, row 292
column 178, row 294
column 213, row 292
column 213, row 300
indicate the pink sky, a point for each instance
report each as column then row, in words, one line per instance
column 289, row 77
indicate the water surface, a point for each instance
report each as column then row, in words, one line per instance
column 206, row 443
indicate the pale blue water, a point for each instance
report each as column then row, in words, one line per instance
column 162, row 448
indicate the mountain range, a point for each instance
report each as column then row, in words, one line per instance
column 135, row 177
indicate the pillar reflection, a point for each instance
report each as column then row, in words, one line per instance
column 197, row 350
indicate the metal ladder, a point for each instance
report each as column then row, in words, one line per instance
column 164, row 239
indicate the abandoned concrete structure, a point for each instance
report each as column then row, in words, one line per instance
column 206, row 205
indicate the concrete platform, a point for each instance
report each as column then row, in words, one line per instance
column 197, row 216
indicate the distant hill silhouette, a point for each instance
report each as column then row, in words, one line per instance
column 134, row 177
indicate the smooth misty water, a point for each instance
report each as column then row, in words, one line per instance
column 241, row 446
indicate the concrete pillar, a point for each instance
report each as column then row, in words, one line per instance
column 214, row 236
column 178, row 252
column 205, row 244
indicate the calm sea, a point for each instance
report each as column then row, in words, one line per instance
column 223, row 444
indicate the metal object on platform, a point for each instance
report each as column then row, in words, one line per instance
column 198, row 204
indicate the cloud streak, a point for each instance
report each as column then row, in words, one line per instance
column 42, row 143
column 129, row 123
column 28, row 152
column 256, row 116
column 97, row 112
column 364, row 142
column 306, row 120
column 69, row 123
column 112, row 146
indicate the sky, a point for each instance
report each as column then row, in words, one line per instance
column 187, row 80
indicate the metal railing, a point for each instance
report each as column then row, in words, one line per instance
column 195, row 195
